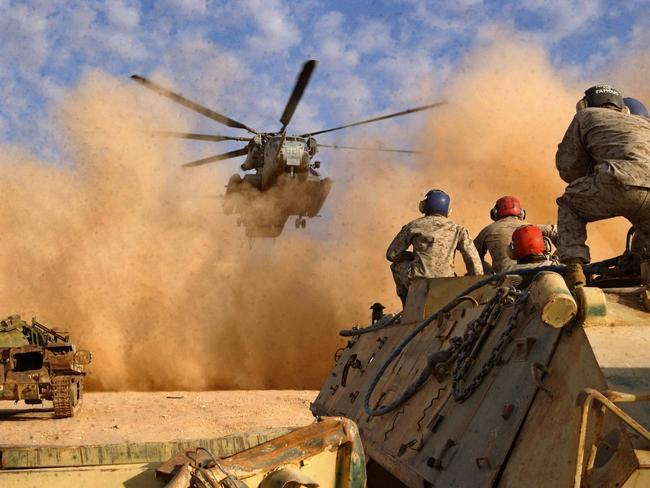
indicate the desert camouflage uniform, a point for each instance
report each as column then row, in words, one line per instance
column 496, row 237
column 605, row 158
column 435, row 240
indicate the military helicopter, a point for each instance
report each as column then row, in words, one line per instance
column 285, row 181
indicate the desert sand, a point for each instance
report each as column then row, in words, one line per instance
column 117, row 417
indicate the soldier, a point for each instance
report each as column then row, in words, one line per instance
column 605, row 158
column 529, row 248
column 636, row 107
column 496, row 237
column 435, row 239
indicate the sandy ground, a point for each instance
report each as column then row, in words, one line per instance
column 155, row 416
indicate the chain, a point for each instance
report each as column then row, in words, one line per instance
column 481, row 327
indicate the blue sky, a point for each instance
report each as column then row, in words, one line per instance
column 241, row 56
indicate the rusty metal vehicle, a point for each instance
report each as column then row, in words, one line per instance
column 38, row 363
column 327, row 454
column 504, row 381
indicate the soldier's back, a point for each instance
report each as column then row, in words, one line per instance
column 618, row 140
column 495, row 239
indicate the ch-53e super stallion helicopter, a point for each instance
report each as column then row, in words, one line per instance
column 285, row 181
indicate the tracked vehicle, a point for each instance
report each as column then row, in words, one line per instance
column 504, row 381
column 38, row 363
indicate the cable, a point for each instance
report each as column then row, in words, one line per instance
column 410, row 391
column 380, row 324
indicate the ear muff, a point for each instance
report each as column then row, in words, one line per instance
column 421, row 206
column 522, row 215
column 548, row 246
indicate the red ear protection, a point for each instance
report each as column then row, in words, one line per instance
column 506, row 206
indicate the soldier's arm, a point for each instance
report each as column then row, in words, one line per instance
column 572, row 159
column 399, row 245
column 470, row 254
column 550, row 231
column 479, row 243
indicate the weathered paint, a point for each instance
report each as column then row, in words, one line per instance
column 521, row 425
column 17, row 457
column 329, row 452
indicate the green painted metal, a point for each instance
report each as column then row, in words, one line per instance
column 127, row 453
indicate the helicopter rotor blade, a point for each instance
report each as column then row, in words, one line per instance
column 222, row 119
column 298, row 90
column 218, row 157
column 377, row 149
column 200, row 137
column 376, row 119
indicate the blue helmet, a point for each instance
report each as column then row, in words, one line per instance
column 435, row 202
column 636, row 107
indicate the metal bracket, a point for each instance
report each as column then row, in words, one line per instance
column 538, row 371
column 437, row 463
column 507, row 411
column 523, row 346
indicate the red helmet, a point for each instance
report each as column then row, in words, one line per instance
column 527, row 240
column 506, row 206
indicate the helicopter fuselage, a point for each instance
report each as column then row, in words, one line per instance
column 272, row 155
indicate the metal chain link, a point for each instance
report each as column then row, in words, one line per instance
column 468, row 353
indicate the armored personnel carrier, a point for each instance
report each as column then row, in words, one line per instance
column 507, row 380
column 38, row 363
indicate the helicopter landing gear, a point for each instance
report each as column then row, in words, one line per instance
column 300, row 223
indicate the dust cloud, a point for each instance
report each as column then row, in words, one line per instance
column 508, row 109
column 135, row 258
column 132, row 256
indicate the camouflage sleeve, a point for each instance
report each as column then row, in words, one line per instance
column 469, row 253
column 479, row 243
column 572, row 160
column 550, row 231
column 399, row 245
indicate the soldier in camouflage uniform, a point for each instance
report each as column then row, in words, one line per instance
column 435, row 239
column 496, row 237
column 605, row 158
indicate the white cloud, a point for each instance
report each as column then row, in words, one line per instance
column 187, row 8
column 276, row 31
column 372, row 36
column 122, row 14
column 24, row 38
column 563, row 18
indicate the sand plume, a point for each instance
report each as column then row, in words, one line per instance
column 135, row 258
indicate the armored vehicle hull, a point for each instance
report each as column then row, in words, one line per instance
column 512, row 382
column 38, row 363
column 327, row 454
